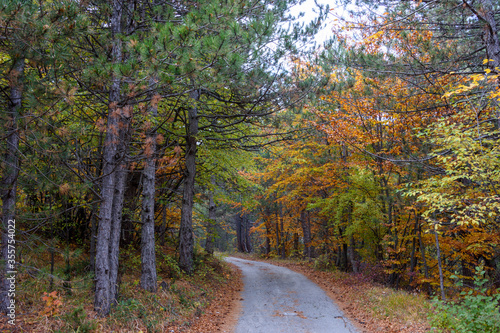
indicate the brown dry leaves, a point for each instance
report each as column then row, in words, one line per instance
column 223, row 312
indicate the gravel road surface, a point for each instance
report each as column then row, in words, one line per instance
column 277, row 299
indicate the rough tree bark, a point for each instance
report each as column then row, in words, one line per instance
column 240, row 237
column 486, row 14
column 243, row 233
column 148, row 257
column 295, row 238
column 94, row 217
column 9, row 180
column 112, row 181
column 116, row 221
column 186, row 240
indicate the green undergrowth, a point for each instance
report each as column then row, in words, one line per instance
column 62, row 302
column 477, row 310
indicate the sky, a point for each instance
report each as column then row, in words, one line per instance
column 310, row 11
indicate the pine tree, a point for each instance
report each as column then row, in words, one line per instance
column 32, row 49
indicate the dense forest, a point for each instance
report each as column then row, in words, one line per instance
column 160, row 130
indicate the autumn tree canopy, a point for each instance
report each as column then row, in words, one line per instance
column 137, row 130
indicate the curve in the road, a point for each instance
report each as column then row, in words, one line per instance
column 277, row 299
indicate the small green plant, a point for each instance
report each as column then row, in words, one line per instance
column 184, row 298
column 200, row 257
column 323, row 263
column 476, row 312
column 126, row 310
column 76, row 321
column 132, row 258
column 151, row 325
column 170, row 267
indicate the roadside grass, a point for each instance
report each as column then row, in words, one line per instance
column 68, row 306
column 407, row 308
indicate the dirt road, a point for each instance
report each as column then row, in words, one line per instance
column 276, row 299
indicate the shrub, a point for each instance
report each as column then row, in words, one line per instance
column 323, row 263
column 76, row 321
column 168, row 265
column 476, row 312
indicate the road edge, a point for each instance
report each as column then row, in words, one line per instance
column 224, row 311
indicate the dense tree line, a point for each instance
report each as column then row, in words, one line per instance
column 397, row 172
column 117, row 114
column 156, row 125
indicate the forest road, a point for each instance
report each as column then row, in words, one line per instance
column 277, row 299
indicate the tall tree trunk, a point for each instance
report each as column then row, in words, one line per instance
column 351, row 254
column 186, row 238
column 94, row 215
column 243, row 236
column 440, row 266
column 105, row 290
column 490, row 38
column 486, row 14
column 352, row 244
column 242, row 233
column 282, row 234
column 268, row 231
column 343, row 260
column 211, row 230
column 278, row 239
column 306, row 232
column 413, row 258
column 424, row 260
column 248, row 241
column 121, row 173
column 148, row 257
column 296, row 244
column 338, row 256
column 9, row 180
column 267, row 245
column 238, row 222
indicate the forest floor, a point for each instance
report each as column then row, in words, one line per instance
column 208, row 301
column 203, row 302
